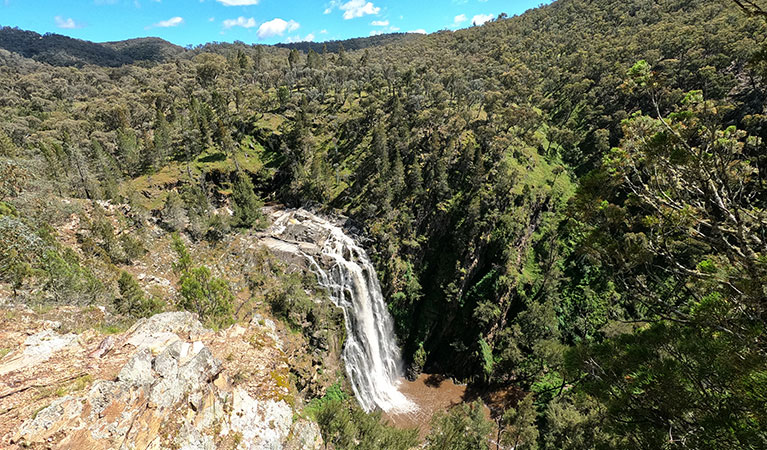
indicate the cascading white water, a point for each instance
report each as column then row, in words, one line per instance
column 370, row 353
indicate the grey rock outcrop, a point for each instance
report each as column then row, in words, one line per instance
column 138, row 371
column 304, row 434
column 171, row 393
column 38, row 347
column 159, row 331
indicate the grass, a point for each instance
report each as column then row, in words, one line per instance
column 212, row 157
column 37, row 411
column 236, row 439
column 334, row 393
column 114, row 328
column 81, row 383
column 66, row 388
column 152, row 189
column 282, row 380
column 240, row 377
column 271, row 122
column 43, row 308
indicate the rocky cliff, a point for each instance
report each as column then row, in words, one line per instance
column 167, row 382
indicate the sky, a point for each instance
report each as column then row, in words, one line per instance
column 192, row 22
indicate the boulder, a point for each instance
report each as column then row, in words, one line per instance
column 161, row 330
column 304, row 435
column 138, row 371
column 264, row 425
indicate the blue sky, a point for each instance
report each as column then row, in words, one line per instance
column 194, row 22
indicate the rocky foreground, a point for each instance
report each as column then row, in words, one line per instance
column 167, row 382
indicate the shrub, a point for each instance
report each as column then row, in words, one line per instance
column 246, row 204
column 68, row 281
column 173, row 214
column 132, row 300
column 202, row 293
column 463, row 427
column 419, row 361
column 132, row 248
column 345, row 425
column 206, row 295
column 334, row 394
column 290, row 301
column 20, row 248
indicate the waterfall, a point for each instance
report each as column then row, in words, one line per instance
column 370, row 353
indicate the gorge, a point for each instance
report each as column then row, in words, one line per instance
column 566, row 210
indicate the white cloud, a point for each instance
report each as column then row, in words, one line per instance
column 358, row 8
column 479, row 19
column 459, row 19
column 331, row 6
column 240, row 22
column 276, row 27
column 384, row 30
column 323, row 31
column 172, row 22
column 418, row 31
column 238, row 2
column 308, row 38
column 67, row 23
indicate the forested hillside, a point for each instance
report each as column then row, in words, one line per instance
column 570, row 202
column 350, row 44
column 58, row 50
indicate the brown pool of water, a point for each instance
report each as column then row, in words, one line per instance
column 431, row 393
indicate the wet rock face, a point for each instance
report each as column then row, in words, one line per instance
column 171, row 393
column 412, row 372
column 295, row 233
column 299, row 232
